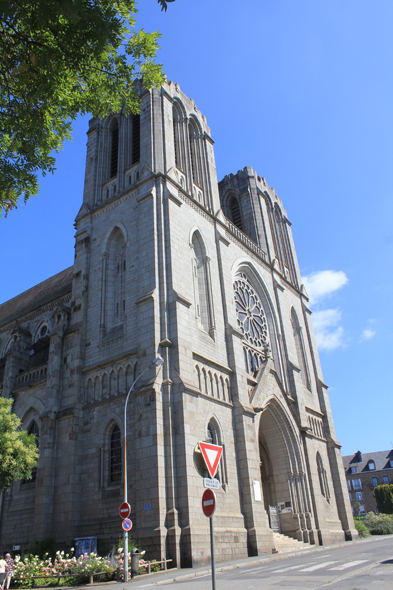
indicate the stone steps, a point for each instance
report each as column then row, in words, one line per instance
column 282, row 543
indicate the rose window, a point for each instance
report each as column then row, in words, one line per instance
column 251, row 318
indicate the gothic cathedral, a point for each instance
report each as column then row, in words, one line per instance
column 170, row 262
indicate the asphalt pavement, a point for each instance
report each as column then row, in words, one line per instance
column 365, row 564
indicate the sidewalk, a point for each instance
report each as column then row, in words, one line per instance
column 180, row 574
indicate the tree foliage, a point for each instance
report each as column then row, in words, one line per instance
column 59, row 58
column 18, row 450
column 384, row 498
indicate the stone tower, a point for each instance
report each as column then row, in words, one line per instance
column 169, row 262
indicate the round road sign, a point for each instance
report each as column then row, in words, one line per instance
column 125, row 510
column 127, row 524
column 208, row 502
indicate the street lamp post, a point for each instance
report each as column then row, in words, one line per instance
column 158, row 362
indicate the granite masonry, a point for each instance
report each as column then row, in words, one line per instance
column 169, row 261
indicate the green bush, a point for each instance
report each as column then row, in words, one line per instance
column 384, row 498
column 361, row 528
column 381, row 524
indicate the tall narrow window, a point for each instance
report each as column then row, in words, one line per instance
column 213, row 437
column 115, row 275
column 136, row 139
column 115, row 470
column 201, row 286
column 300, row 352
column 178, row 130
column 196, row 150
column 192, row 153
column 114, row 148
column 235, row 213
column 323, row 483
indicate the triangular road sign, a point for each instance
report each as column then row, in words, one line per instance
column 212, row 455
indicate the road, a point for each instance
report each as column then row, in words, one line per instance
column 364, row 565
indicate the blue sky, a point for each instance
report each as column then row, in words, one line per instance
column 302, row 91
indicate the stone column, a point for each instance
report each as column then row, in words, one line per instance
column 44, row 500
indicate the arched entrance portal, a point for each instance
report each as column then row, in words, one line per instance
column 283, row 476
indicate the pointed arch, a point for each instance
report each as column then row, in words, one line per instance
column 97, row 389
column 214, row 435
column 89, row 391
column 112, row 383
column 179, row 135
column 256, row 318
column 323, row 482
column 300, row 350
column 114, row 268
column 279, row 443
column 105, row 386
column 198, row 377
column 121, row 385
column 204, row 311
column 129, row 376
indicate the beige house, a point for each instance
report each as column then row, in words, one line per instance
column 169, row 261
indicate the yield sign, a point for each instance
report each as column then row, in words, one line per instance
column 212, row 456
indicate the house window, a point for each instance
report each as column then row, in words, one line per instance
column 354, row 469
column 371, row 465
column 391, row 462
column 115, row 470
column 350, row 497
column 349, row 484
column 357, row 484
column 359, row 496
column 385, row 480
column 375, row 481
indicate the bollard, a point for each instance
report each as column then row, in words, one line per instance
column 134, row 562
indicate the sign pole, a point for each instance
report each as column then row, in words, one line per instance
column 212, row 553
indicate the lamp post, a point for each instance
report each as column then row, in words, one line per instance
column 158, row 362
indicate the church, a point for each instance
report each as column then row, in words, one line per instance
column 171, row 262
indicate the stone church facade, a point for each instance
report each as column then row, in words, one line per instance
column 169, row 261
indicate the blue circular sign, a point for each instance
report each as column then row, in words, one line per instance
column 127, row 524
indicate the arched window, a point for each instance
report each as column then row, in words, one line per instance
column 281, row 241
column 136, row 139
column 105, row 387
column 322, row 478
column 114, row 148
column 195, row 153
column 213, row 437
column 97, row 389
column 235, row 214
column 89, row 392
column 33, row 429
column 113, row 383
column 115, row 266
column 121, row 386
column 129, row 377
column 178, row 137
column 203, row 303
column 115, row 467
column 300, row 352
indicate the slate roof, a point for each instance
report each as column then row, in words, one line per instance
column 360, row 460
column 33, row 298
